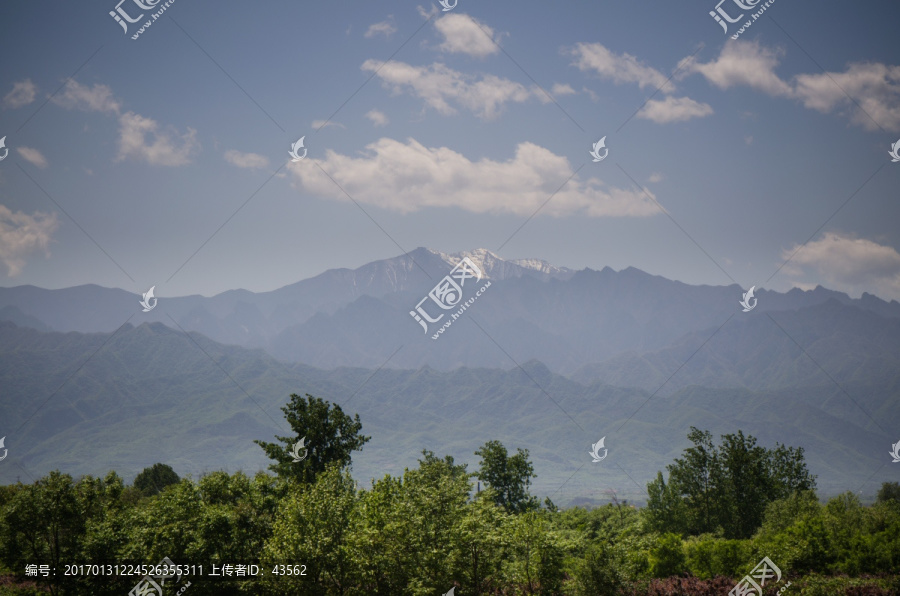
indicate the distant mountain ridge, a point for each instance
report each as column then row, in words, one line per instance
column 569, row 320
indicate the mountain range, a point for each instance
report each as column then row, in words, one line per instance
column 547, row 359
column 568, row 320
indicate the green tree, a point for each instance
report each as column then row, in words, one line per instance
column 695, row 475
column 744, row 485
column 165, row 526
column 597, row 572
column 235, row 517
column 889, row 491
column 479, row 549
column 509, row 476
column 665, row 509
column 667, row 557
column 43, row 523
column 724, row 489
column 312, row 528
column 330, row 438
column 410, row 529
column 151, row 481
column 536, row 552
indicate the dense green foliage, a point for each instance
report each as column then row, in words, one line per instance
column 509, row 476
column 151, row 481
column 889, row 491
column 725, row 489
column 330, row 437
column 428, row 530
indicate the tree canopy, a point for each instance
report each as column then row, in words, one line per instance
column 724, row 489
column 508, row 475
column 154, row 479
column 330, row 437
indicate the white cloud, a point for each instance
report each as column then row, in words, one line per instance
column 744, row 63
column 407, row 177
column 874, row 86
column 22, row 234
column 32, row 156
column 386, row 28
column 674, row 109
column 464, row 35
column 166, row 149
column 22, row 94
column 319, row 124
column 560, row 89
column 655, row 177
column 619, row 68
column 98, row 98
column 850, row 264
column 377, row 117
column 246, row 160
column 442, row 87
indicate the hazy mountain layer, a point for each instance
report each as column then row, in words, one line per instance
column 88, row 403
column 571, row 321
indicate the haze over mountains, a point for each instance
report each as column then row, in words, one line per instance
column 567, row 320
column 627, row 355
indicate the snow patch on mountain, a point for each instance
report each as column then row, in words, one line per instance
column 496, row 267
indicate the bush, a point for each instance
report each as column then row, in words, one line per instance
column 667, row 557
column 597, row 573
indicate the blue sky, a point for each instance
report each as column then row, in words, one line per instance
column 164, row 160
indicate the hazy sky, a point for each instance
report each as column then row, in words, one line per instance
column 164, row 160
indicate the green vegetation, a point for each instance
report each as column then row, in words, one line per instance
column 725, row 489
column 330, row 434
column 721, row 511
column 150, row 481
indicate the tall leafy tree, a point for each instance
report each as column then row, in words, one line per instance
column 695, row 475
column 330, row 437
column 509, row 476
column 665, row 509
column 725, row 488
column 744, row 485
column 151, row 481
column 44, row 523
column 535, row 554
